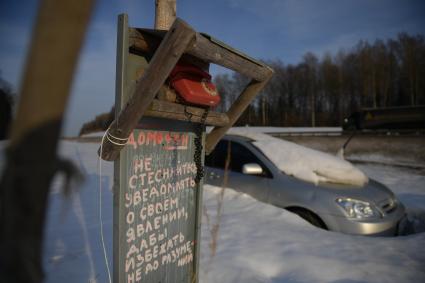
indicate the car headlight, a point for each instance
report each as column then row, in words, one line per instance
column 358, row 209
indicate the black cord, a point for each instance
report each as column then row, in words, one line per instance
column 200, row 172
column 197, row 156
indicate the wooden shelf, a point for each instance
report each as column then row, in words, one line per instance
column 170, row 110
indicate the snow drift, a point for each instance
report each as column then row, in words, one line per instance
column 304, row 163
column 255, row 242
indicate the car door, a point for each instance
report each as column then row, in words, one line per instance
column 233, row 156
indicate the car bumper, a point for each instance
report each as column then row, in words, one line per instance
column 387, row 226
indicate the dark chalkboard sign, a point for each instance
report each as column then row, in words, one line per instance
column 156, row 200
column 157, row 204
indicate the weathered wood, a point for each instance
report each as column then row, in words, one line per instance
column 167, row 94
column 165, row 109
column 145, row 41
column 236, row 110
column 38, row 88
column 205, row 49
column 201, row 51
column 32, row 160
column 165, row 58
column 165, row 13
column 121, row 88
column 215, row 52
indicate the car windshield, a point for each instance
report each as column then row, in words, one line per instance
column 304, row 163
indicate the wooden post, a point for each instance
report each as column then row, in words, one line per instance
column 31, row 158
column 235, row 111
column 165, row 14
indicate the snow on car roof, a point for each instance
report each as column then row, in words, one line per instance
column 302, row 162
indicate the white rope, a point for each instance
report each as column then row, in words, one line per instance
column 120, row 142
column 100, row 206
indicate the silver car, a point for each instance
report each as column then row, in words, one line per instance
column 369, row 210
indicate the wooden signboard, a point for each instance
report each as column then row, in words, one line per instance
column 156, row 200
column 158, row 204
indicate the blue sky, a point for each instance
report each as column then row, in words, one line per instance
column 273, row 29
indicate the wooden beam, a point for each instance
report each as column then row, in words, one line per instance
column 236, row 110
column 213, row 51
column 205, row 49
column 164, row 109
column 145, row 42
column 176, row 41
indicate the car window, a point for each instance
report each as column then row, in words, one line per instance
column 217, row 158
column 239, row 156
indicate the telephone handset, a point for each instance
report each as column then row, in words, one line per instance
column 194, row 85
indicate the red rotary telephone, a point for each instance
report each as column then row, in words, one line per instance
column 194, row 85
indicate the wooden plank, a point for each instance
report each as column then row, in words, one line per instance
column 121, row 98
column 205, row 50
column 165, row 109
column 235, row 111
column 144, row 42
column 212, row 52
column 165, row 58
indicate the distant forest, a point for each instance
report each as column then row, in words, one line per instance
column 323, row 91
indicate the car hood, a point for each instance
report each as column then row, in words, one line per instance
column 372, row 191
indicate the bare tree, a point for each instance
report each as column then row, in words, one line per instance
column 323, row 92
column 311, row 64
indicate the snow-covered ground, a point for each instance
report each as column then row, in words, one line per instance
column 260, row 243
column 255, row 242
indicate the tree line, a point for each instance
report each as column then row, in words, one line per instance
column 323, row 91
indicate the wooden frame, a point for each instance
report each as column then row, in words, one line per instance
column 167, row 48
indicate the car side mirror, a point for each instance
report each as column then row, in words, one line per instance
column 252, row 169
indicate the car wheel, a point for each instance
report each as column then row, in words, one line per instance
column 309, row 217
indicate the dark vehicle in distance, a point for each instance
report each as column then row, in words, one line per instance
column 369, row 210
column 405, row 117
